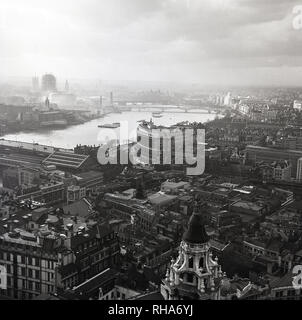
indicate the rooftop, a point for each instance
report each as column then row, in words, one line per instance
column 161, row 198
column 80, row 208
column 66, row 160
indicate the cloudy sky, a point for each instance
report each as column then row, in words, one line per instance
column 201, row 41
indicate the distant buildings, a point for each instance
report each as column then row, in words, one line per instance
column 49, row 83
column 282, row 170
column 63, row 100
column 277, row 170
column 20, row 176
column 297, row 105
column 267, row 154
column 228, row 99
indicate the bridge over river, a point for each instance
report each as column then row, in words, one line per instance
column 149, row 107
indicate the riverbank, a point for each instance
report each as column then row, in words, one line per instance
column 89, row 133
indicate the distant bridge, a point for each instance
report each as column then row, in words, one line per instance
column 148, row 107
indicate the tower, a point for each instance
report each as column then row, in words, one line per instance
column 66, row 86
column 111, row 99
column 195, row 275
column 35, row 84
column 47, row 103
column 228, row 99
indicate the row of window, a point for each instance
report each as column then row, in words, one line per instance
column 288, row 293
column 22, row 259
column 94, row 242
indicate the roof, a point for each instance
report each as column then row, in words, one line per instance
column 247, row 205
column 161, row 198
column 218, row 245
column 196, row 232
column 80, row 208
column 79, row 239
column 174, row 185
column 66, row 160
column 150, row 296
column 37, row 214
column 96, row 282
column 68, row 269
column 285, row 281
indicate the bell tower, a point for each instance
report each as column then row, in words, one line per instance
column 195, row 275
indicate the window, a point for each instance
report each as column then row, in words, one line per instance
column 30, row 285
column 201, row 262
column 191, row 263
column 190, row 278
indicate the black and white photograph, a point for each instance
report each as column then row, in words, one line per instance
column 151, row 150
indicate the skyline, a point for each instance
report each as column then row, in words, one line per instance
column 235, row 42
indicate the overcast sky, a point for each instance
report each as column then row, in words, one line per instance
column 202, row 41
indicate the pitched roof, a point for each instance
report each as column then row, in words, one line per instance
column 66, row 160
column 285, row 281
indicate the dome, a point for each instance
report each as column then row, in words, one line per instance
column 196, row 232
column 49, row 82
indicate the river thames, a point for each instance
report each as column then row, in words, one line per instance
column 89, row 133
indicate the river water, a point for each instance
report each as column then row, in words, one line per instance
column 89, row 133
